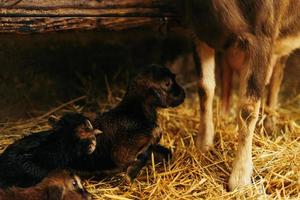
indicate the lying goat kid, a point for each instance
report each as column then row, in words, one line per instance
column 27, row 161
column 58, row 185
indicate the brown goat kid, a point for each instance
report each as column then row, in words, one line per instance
column 255, row 37
column 59, row 185
column 130, row 130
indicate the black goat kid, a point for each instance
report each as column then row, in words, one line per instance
column 28, row 160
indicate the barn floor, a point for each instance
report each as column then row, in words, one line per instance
column 191, row 174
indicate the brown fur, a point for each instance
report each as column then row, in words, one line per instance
column 249, row 33
column 58, row 185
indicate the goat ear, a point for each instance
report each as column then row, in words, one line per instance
column 54, row 192
column 53, row 121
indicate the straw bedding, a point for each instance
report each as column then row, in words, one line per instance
column 193, row 175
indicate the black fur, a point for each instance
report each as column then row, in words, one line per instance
column 28, row 160
column 130, row 131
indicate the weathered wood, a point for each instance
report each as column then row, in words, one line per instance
column 79, row 3
column 48, row 24
column 31, row 16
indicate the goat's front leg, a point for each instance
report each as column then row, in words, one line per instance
column 156, row 135
column 160, row 153
column 140, row 161
column 144, row 154
column 131, row 153
column 204, row 57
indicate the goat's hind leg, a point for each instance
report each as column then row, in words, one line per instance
column 247, row 117
column 274, row 89
column 204, row 57
column 252, row 83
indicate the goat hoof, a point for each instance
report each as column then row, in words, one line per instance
column 128, row 180
column 240, row 176
column 162, row 153
column 204, row 144
column 270, row 124
column 131, row 174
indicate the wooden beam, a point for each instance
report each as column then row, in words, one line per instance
column 80, row 3
column 87, row 12
column 25, row 25
column 38, row 16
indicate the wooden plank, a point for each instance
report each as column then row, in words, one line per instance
column 80, row 3
column 38, row 16
column 102, row 8
column 72, row 12
column 25, row 25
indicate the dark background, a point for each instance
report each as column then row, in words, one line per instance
column 41, row 71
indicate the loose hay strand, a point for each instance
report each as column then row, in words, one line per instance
column 194, row 175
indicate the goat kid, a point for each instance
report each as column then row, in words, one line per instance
column 58, row 185
column 130, row 130
column 28, row 160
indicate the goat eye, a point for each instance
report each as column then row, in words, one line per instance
column 74, row 183
column 168, row 83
